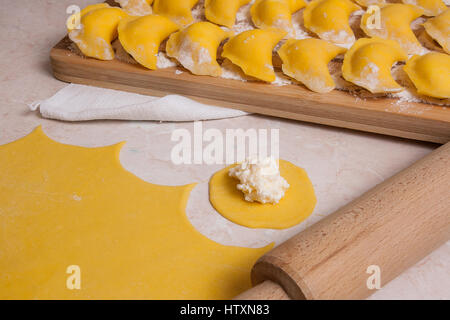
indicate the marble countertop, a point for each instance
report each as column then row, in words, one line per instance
column 342, row 164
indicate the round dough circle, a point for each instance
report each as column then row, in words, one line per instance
column 296, row 205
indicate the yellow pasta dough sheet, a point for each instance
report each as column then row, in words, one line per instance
column 76, row 225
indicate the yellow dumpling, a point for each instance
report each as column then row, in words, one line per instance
column 307, row 61
column 329, row 20
column 223, row 12
column 430, row 74
column 97, row 29
column 439, row 29
column 177, row 10
column 72, row 21
column 136, row 7
column 429, row 7
column 368, row 64
column 395, row 25
column 142, row 36
column 296, row 5
column 275, row 14
column 367, row 3
column 195, row 47
column 252, row 51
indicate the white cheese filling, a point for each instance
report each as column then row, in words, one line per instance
column 260, row 180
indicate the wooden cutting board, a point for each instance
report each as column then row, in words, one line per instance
column 383, row 115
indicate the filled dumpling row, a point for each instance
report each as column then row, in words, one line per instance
column 144, row 26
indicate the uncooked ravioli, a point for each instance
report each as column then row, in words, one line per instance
column 64, row 205
column 296, row 205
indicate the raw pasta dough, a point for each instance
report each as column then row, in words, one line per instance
column 296, row 205
column 64, row 205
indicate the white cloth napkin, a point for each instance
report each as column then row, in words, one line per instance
column 79, row 103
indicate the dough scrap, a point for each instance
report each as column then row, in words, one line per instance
column 296, row 205
column 63, row 205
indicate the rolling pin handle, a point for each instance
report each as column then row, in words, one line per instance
column 267, row 290
column 392, row 227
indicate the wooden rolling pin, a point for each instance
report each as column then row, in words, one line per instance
column 392, row 226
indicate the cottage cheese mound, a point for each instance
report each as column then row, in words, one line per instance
column 260, row 180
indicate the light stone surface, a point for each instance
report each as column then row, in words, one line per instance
column 342, row 164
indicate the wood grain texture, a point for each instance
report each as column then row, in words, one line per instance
column 415, row 121
column 392, row 226
column 267, row 290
